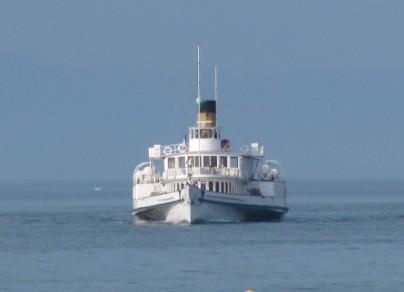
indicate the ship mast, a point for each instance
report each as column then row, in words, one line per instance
column 215, row 83
column 216, row 89
column 199, row 100
column 199, row 82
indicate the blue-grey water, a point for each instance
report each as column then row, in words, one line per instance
column 339, row 235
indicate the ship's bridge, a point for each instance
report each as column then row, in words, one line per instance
column 204, row 139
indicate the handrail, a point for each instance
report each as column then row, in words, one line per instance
column 180, row 148
column 173, row 173
column 141, row 165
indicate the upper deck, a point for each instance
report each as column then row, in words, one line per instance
column 161, row 152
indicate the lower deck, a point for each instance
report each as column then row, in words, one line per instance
column 193, row 205
column 224, row 186
column 219, row 186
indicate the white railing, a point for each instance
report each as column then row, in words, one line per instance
column 201, row 171
column 159, row 151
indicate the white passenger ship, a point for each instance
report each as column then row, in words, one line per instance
column 203, row 179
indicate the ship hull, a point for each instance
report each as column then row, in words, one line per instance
column 192, row 205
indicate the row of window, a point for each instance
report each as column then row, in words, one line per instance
column 221, row 187
column 204, row 133
column 202, row 161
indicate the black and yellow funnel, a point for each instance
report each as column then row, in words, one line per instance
column 207, row 113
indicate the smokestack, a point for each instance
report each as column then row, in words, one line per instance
column 207, row 113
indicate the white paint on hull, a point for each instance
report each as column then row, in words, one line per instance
column 192, row 205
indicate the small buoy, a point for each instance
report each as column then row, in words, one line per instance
column 249, row 290
column 97, row 189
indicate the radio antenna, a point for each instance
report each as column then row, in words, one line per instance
column 199, row 81
column 216, row 83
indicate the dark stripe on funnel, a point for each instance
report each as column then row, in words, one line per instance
column 208, row 106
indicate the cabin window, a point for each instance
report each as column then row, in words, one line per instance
column 171, row 162
column 213, row 161
column 234, row 162
column 206, row 133
column 206, row 161
column 223, row 161
column 197, row 164
column 211, row 186
column 181, row 162
column 194, row 161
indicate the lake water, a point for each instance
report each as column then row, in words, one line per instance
column 339, row 235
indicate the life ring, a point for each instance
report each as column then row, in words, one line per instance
column 167, row 150
column 227, row 172
column 244, row 148
column 225, row 144
column 265, row 175
column 181, row 148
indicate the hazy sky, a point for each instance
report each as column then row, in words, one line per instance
column 87, row 86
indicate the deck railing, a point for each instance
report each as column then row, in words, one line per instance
column 201, row 171
column 175, row 149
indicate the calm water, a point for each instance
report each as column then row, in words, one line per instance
column 340, row 235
